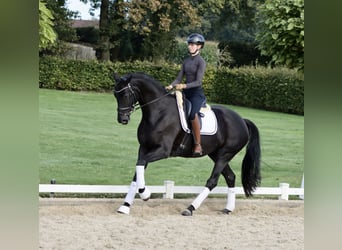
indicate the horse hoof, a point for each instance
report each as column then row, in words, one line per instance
column 187, row 212
column 145, row 196
column 123, row 210
column 226, row 211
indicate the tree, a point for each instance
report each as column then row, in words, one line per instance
column 62, row 20
column 104, row 31
column 135, row 29
column 281, row 32
column 237, row 21
column 61, row 25
column 157, row 24
column 147, row 27
column 47, row 35
column 207, row 13
column 112, row 18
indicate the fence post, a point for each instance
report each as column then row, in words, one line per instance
column 302, row 186
column 284, row 187
column 169, row 185
column 52, row 194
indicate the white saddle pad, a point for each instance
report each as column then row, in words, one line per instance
column 209, row 121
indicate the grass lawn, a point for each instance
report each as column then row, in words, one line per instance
column 82, row 143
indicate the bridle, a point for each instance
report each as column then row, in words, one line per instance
column 135, row 105
column 129, row 109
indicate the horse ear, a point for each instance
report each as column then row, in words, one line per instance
column 116, row 77
column 128, row 79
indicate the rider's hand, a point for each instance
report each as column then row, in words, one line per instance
column 180, row 86
column 169, row 87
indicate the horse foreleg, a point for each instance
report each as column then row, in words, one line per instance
column 144, row 191
column 138, row 183
column 125, row 208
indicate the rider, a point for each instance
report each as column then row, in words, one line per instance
column 193, row 69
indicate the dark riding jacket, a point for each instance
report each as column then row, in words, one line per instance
column 193, row 69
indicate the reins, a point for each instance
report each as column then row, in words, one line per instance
column 153, row 101
column 135, row 105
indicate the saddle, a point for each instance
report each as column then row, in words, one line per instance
column 207, row 117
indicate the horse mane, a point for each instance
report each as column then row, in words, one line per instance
column 146, row 78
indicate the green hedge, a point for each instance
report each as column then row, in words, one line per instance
column 56, row 73
column 76, row 75
column 276, row 89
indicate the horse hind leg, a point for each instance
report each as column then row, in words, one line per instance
column 197, row 202
column 210, row 185
column 229, row 176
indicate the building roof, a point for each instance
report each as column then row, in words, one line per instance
column 84, row 23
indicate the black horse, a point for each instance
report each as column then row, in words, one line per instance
column 160, row 136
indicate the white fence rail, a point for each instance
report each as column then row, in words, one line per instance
column 169, row 189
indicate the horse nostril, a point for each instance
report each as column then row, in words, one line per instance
column 123, row 121
column 123, row 118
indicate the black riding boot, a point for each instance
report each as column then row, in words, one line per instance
column 195, row 126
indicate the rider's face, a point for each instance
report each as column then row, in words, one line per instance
column 194, row 48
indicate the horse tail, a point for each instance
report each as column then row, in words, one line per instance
column 250, row 172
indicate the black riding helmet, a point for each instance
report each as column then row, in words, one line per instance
column 196, row 38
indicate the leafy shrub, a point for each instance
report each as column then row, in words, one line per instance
column 281, row 32
column 78, row 75
column 277, row 89
column 57, row 73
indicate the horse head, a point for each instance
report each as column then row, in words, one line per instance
column 125, row 97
